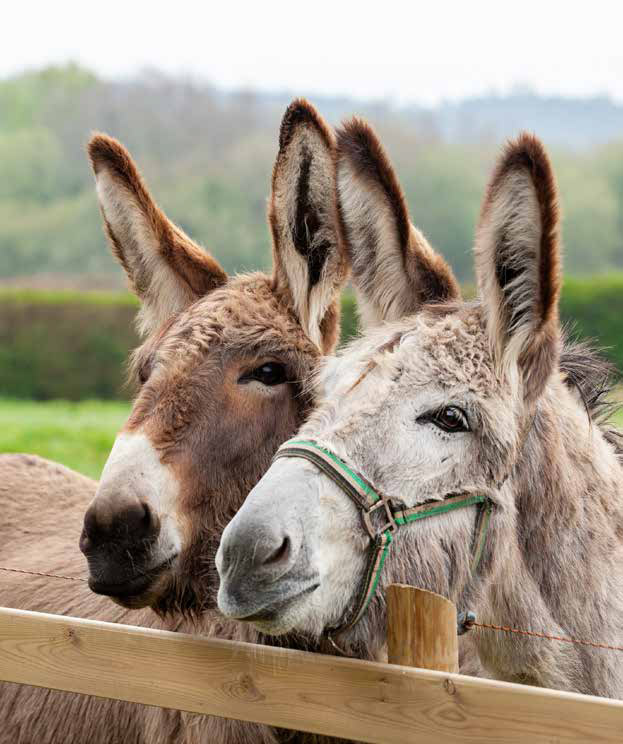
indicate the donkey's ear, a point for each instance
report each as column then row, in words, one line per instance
column 310, row 264
column 395, row 270
column 518, row 262
column 166, row 269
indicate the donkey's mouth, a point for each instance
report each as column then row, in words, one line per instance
column 268, row 617
column 131, row 590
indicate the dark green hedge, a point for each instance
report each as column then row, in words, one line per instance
column 593, row 308
column 65, row 345
column 349, row 316
column 74, row 345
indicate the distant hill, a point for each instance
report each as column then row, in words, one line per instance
column 575, row 123
column 566, row 122
column 208, row 153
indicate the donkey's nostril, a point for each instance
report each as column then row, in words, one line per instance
column 136, row 517
column 90, row 524
column 148, row 517
column 280, row 555
column 118, row 517
column 248, row 554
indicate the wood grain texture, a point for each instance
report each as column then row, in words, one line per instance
column 421, row 629
column 366, row 701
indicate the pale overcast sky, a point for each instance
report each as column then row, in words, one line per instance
column 405, row 51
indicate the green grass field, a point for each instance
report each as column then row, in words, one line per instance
column 78, row 435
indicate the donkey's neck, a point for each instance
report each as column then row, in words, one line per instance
column 559, row 562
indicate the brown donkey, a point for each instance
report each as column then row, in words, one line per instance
column 461, row 413
column 221, row 374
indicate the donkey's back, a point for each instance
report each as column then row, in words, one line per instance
column 42, row 504
column 31, row 485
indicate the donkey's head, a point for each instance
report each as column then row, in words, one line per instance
column 427, row 408
column 220, row 369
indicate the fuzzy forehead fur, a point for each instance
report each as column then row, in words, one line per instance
column 449, row 347
column 243, row 317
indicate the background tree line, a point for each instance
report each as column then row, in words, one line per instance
column 208, row 155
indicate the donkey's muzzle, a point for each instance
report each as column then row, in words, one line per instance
column 118, row 538
column 256, row 560
column 264, row 554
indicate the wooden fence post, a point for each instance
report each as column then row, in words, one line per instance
column 421, row 629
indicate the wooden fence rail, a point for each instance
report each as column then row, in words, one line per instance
column 342, row 697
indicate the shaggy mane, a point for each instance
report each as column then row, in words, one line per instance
column 595, row 378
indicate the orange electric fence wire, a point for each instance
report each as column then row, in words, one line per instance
column 468, row 623
column 535, row 634
column 39, row 573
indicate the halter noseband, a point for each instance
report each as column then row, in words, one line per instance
column 394, row 515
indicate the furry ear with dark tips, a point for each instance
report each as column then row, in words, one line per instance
column 166, row 269
column 310, row 264
column 518, row 263
column 395, row 271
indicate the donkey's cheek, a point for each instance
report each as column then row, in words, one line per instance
column 338, row 548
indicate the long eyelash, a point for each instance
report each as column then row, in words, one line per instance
column 427, row 417
column 431, row 416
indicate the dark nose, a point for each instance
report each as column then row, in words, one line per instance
column 262, row 554
column 118, row 518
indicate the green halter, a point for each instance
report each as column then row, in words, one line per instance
column 397, row 514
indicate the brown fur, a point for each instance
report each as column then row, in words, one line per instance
column 43, row 504
column 528, row 152
column 196, row 267
column 389, row 244
column 506, row 266
column 360, row 145
column 165, row 268
column 215, row 435
column 307, row 243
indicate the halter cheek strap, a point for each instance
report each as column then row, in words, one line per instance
column 394, row 515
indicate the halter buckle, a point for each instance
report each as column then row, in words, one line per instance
column 389, row 525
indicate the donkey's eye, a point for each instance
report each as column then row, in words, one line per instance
column 451, row 419
column 271, row 373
